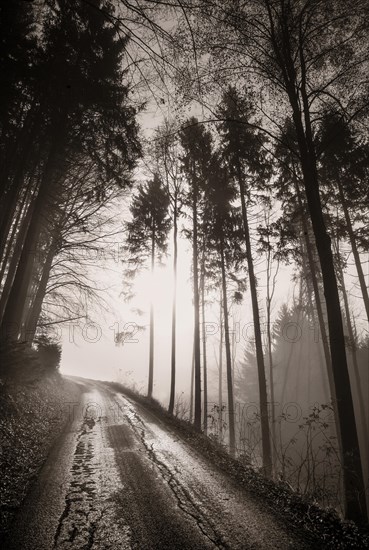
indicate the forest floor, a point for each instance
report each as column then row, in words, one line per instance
column 32, row 416
column 322, row 528
column 119, row 472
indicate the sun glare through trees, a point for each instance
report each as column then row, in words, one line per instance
column 184, row 216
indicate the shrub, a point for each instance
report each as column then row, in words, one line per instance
column 49, row 353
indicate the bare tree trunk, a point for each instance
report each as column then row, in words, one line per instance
column 174, row 314
column 196, row 299
column 322, row 345
column 204, row 340
column 26, row 251
column 355, row 251
column 17, row 251
column 151, row 351
column 265, row 432
column 269, row 299
column 352, row 348
column 232, row 436
column 220, row 387
column 10, row 198
column 35, row 311
column 11, row 328
column 318, row 302
column 192, row 383
column 22, row 211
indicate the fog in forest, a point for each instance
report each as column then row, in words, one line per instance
column 185, row 212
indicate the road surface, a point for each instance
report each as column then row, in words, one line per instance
column 118, row 478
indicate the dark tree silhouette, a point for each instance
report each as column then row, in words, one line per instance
column 223, row 227
column 147, row 239
column 196, row 142
column 242, row 150
column 89, row 118
column 344, row 169
column 166, row 153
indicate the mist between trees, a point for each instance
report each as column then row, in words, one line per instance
column 239, row 132
column 92, row 332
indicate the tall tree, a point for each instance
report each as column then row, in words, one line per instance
column 223, row 228
column 17, row 65
column 147, row 239
column 267, row 244
column 344, row 169
column 241, row 148
column 89, row 117
column 168, row 165
column 294, row 222
column 352, row 345
column 300, row 55
column 196, row 143
column 295, row 49
column 203, row 331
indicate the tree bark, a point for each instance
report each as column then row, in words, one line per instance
column 314, row 281
column 174, row 314
column 11, row 328
column 352, row 347
column 232, row 435
column 151, row 351
column 308, row 274
column 10, row 196
column 270, row 356
column 196, row 299
column 35, row 310
column 17, row 251
column 16, row 227
column 220, row 387
column 204, row 340
column 265, row 432
column 192, row 383
column 355, row 251
column 319, row 308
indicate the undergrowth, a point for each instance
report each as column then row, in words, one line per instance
column 323, row 528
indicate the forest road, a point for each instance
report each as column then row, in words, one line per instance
column 119, row 478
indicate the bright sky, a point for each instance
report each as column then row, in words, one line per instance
column 90, row 350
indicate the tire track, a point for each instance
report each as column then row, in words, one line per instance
column 88, row 521
column 182, row 495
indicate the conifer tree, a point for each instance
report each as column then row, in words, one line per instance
column 196, row 143
column 241, row 148
column 147, row 240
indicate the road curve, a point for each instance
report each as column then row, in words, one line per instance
column 118, row 478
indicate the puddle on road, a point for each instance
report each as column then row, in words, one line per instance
column 89, row 520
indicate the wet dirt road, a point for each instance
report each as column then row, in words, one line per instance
column 118, row 478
